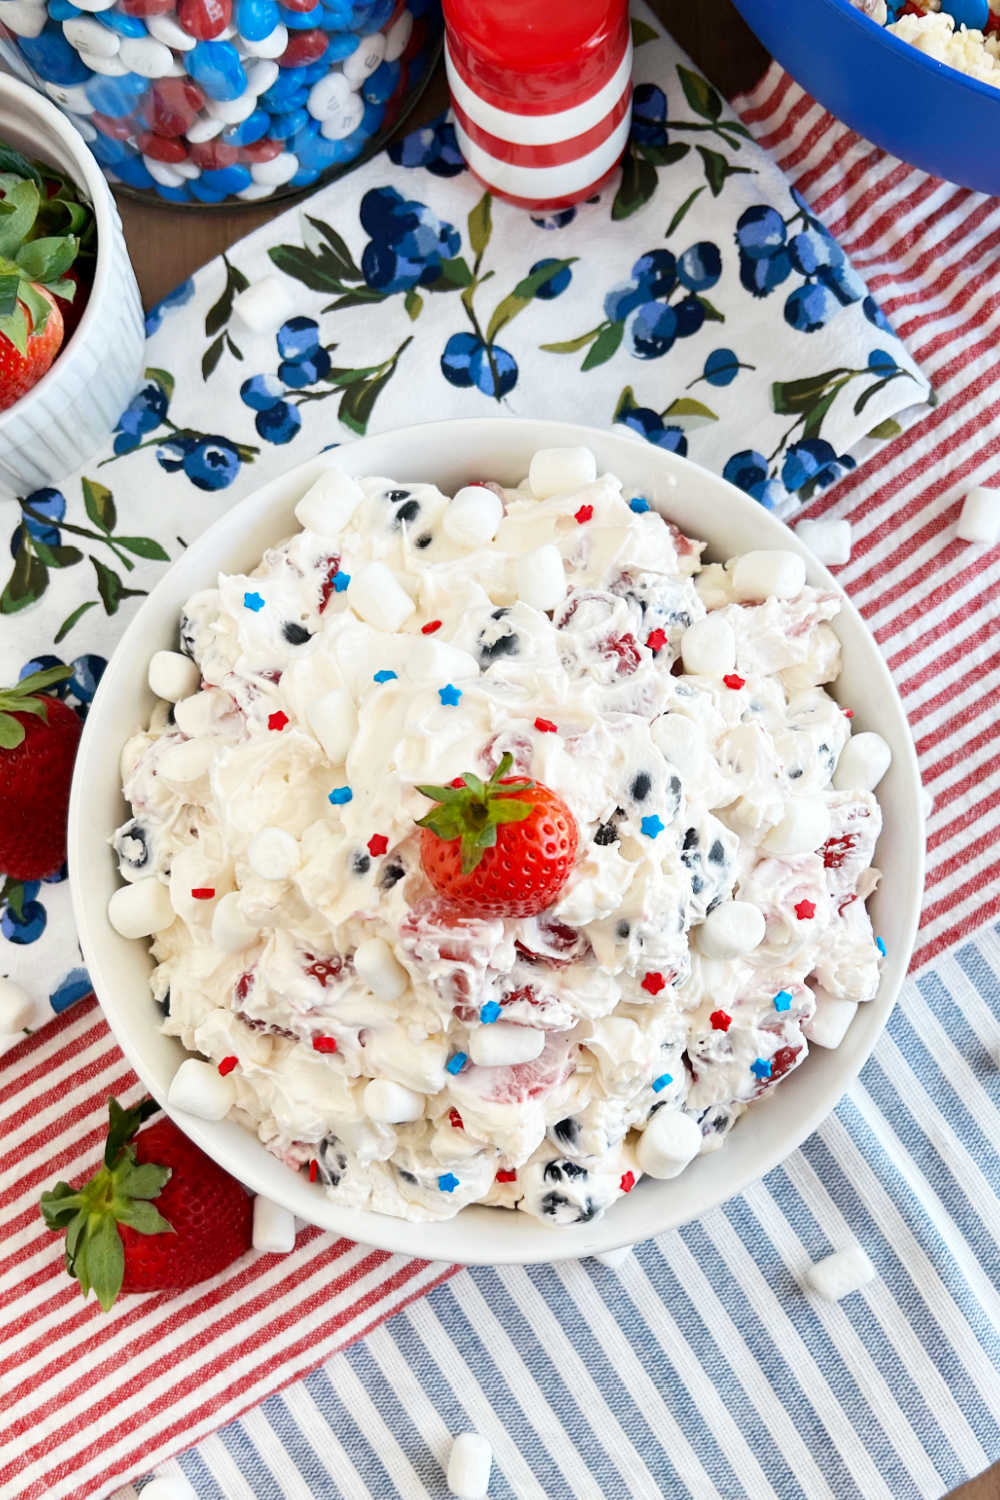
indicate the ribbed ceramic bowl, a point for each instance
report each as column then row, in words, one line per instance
column 448, row 453
column 65, row 418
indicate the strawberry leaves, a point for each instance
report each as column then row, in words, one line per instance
column 473, row 811
column 39, row 242
column 23, row 698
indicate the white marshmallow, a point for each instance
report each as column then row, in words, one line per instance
column 540, row 578
column 804, row 828
column 615, row 1258
column 140, row 909
column 733, row 928
column 109, row 66
column 771, row 574
column 16, row 1008
column 557, row 471
column 200, row 1089
column 168, row 30
column 231, row 932
column 669, row 1142
column 146, row 56
column 391, row 1104
column 273, row 1227
column 173, row 676
column 391, row 1052
column 333, row 719
column 502, row 1045
column 164, row 1487
column 328, row 96
column 473, row 516
column 379, row 599
column 186, row 761
column 264, row 305
column 86, row 35
column 162, row 172
column 232, row 111
column 329, row 503
column 838, row 1275
column 398, row 35
column 863, row 762
column 261, row 74
column 24, row 17
column 469, row 1465
column 204, row 129
column 377, row 966
column 276, row 172
column 679, row 740
column 339, row 124
column 432, row 660
column 708, row 647
column 199, row 713
column 274, row 854
column 828, row 541
column 272, row 45
column 362, row 62
column 980, row 518
column 828, row 1026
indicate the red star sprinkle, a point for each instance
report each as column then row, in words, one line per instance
column 227, row 1065
column 656, row 640
column 203, row 892
column 848, row 713
column 457, row 782
column 378, row 844
column 455, row 1119
column 804, row 910
column 324, row 1044
column 277, row 721
column 504, row 1176
column 430, row 627
column 654, row 983
column 312, row 1170
column 628, row 1182
column 720, row 1020
column 545, row 726
column 585, row 513
column 733, row 681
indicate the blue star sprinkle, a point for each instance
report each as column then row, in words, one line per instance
column 253, row 601
column 489, row 1012
column 639, row 504
column 456, row 1062
column 341, row 582
column 340, row 795
column 448, row 1182
column 449, row 695
column 385, row 675
column 880, row 945
column 782, row 1000
column 760, row 1067
column 664, row 1081
column 652, row 826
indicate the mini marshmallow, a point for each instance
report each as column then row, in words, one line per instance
column 329, row 503
column 199, row 713
column 708, row 647
column 863, row 762
column 680, row 740
column 980, row 518
column 16, row 1008
column 186, row 761
column 231, row 932
column 502, row 1045
column 333, row 719
column 733, row 928
column 828, row 1026
column 473, row 516
column 828, row 541
column 540, row 579
column 273, row 1227
column 276, row 172
column 360, row 64
column 803, row 829
column 165, row 1488
column 840, row 1274
column 173, row 676
column 200, row 1089
column 469, row 1465
column 615, row 1258
column 669, row 1142
column 264, row 305
column 379, row 599
column 274, row 854
column 557, row 471
column 772, row 574
column 140, row 909
column 391, row 1104
column 377, row 966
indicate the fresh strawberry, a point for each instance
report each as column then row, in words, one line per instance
column 38, row 740
column 500, row 848
column 25, row 357
column 159, row 1216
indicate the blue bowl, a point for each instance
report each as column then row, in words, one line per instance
column 928, row 114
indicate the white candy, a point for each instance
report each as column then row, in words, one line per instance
column 501, row 1044
column 231, row 932
column 828, row 541
column 329, row 503
column 473, row 516
column 828, row 1026
column 186, row 761
column 397, row 36
column 109, row 67
column 189, row 170
column 863, row 762
column 363, row 61
column 232, row 111
column 469, row 1465
column 708, row 647
column 274, row 854
column 391, row 1104
column 340, row 124
column 146, row 56
column 380, row 600
column 168, row 30
column 72, row 97
column 804, row 828
column 167, row 176
column 256, row 191
column 555, row 471
column 838, row 1275
column 279, row 170
column 768, row 575
column 733, row 928
column 669, row 1142
column 273, row 1228
column 87, row 35
column 204, row 129
column 272, row 45
column 95, row 5
column 24, row 17
column 333, row 719
column 539, row 577
column 200, row 1089
column 328, row 96
column 377, row 966
column 980, row 517
column 264, row 305
column 16, row 1008
column 140, row 909
column 261, row 74
column 615, row 1258
column 85, row 128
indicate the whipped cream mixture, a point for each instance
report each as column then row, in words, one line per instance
column 286, row 788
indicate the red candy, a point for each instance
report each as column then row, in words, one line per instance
column 546, row 726
column 173, row 105
column 504, row 1176
column 656, row 640
column 300, row 5
column 118, row 130
column 147, row 7
column 377, row 844
column 277, row 721
column 734, row 680
column 324, row 1044
column 213, row 154
column 654, row 982
column 720, row 1020
column 304, row 47
column 227, row 1065
column 585, row 513
column 161, row 147
column 203, row 893
column 204, row 18
column 263, row 150
column 628, row 1182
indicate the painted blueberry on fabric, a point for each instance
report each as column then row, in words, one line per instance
column 144, row 413
column 468, row 361
column 813, row 459
column 177, row 298
column 555, row 284
column 42, row 510
column 649, row 115
column 432, row 146
column 408, row 242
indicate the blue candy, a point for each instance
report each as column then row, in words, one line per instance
column 62, row 10
column 109, row 151
column 299, row 20
column 256, row 19
column 132, row 170
column 317, row 70
column 249, row 130
column 224, row 179
column 339, row 13
column 116, row 97
column 52, row 57
column 285, row 126
column 216, row 67
column 118, row 21
column 204, row 193
column 971, row 13
column 381, row 84
column 173, row 194
column 304, row 177
column 372, row 118
column 371, row 17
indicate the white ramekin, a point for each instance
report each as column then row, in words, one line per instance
column 64, row 419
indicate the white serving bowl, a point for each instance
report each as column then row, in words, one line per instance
column 63, row 420
column 450, row 454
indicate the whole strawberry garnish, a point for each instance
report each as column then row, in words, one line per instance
column 159, row 1216
column 29, row 340
column 501, row 848
column 38, row 740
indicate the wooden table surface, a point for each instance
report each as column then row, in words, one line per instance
column 167, row 244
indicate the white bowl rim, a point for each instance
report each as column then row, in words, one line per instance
column 514, row 1238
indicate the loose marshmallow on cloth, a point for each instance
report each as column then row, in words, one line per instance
column 828, row 541
column 980, row 518
column 201, row 1090
column 840, row 1274
column 469, row 1466
column 17, row 1009
column 263, row 305
column 273, row 1227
